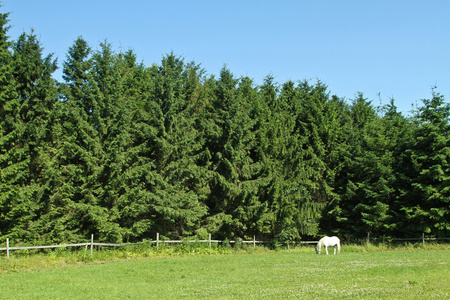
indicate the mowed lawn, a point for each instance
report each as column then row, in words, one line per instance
column 282, row 274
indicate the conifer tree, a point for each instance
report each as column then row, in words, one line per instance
column 73, row 210
column 350, row 176
column 280, row 145
column 369, row 179
column 398, row 133
column 129, row 165
column 318, row 124
column 234, row 202
column 7, row 96
column 375, row 187
column 24, row 127
column 426, row 205
column 176, row 148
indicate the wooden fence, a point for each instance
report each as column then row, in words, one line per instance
column 91, row 243
column 421, row 239
column 158, row 241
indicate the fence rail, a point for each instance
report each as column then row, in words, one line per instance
column 91, row 244
column 44, row 247
column 423, row 239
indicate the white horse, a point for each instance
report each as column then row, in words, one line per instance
column 329, row 241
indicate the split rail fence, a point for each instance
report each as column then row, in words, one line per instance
column 91, row 243
column 422, row 239
column 158, row 242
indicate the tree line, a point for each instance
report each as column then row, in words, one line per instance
column 123, row 151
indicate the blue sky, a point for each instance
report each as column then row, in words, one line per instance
column 384, row 49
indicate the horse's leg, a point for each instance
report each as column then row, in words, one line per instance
column 326, row 249
column 334, row 249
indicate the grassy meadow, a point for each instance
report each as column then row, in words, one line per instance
column 358, row 273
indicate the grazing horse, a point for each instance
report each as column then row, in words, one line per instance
column 329, row 241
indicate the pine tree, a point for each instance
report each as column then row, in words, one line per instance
column 72, row 212
column 318, row 125
column 129, row 167
column 351, row 175
column 234, row 203
column 376, row 184
column 398, row 132
column 176, row 148
column 426, row 205
column 280, row 145
column 27, row 116
column 7, row 124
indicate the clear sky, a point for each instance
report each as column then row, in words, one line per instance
column 384, row 48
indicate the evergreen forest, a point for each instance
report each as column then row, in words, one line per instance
column 124, row 151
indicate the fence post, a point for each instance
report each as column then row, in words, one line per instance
column 157, row 241
column 92, row 244
column 7, row 247
column 423, row 238
column 210, row 241
column 254, row 242
column 368, row 238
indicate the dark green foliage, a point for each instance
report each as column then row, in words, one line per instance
column 24, row 115
column 125, row 151
column 426, row 202
column 177, row 188
column 236, row 172
column 7, row 94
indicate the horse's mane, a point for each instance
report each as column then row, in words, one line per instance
column 320, row 243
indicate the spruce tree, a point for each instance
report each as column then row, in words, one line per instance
column 375, row 186
column 73, row 212
column 351, row 174
column 426, row 205
column 280, row 143
column 318, row 125
column 25, row 127
column 234, row 203
column 7, row 124
column 175, row 148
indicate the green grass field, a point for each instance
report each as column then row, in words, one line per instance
column 297, row 274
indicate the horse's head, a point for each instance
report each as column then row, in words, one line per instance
column 318, row 247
